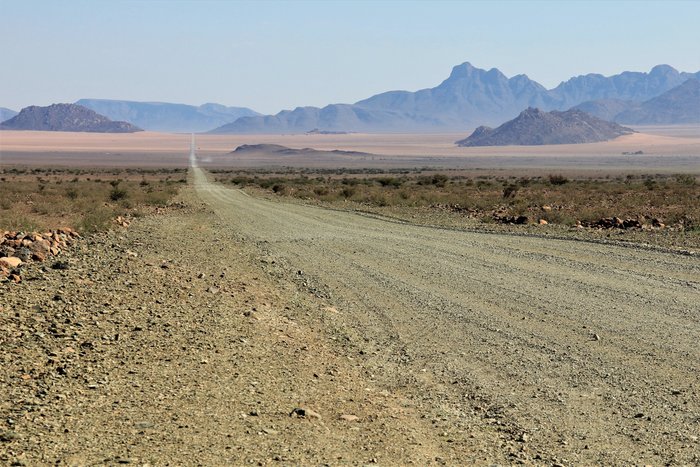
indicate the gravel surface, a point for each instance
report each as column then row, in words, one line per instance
column 573, row 352
column 234, row 330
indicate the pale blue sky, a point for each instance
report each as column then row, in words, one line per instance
column 282, row 54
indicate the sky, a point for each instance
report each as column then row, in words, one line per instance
column 274, row 55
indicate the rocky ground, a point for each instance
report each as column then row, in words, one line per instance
column 166, row 344
column 232, row 330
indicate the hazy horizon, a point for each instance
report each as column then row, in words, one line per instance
column 270, row 56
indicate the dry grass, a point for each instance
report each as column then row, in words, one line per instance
column 674, row 199
column 88, row 201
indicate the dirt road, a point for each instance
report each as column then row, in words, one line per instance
column 566, row 352
column 191, row 337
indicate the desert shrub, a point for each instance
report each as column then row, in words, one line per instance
column 510, row 190
column 557, row 179
column 348, row 192
column 157, row 198
column 440, row 180
column 95, row 220
column 390, row 182
column 686, row 179
column 116, row 193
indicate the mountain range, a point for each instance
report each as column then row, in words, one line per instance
column 534, row 127
column 469, row 97
column 167, row 117
column 676, row 106
column 65, row 117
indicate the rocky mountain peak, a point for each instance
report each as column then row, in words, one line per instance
column 535, row 127
column 663, row 70
column 65, row 117
column 463, row 70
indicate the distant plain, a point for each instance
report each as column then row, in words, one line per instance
column 665, row 149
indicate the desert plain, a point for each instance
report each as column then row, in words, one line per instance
column 665, row 149
column 233, row 325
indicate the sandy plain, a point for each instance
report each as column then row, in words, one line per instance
column 665, row 149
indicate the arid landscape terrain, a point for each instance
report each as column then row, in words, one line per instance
column 329, row 233
column 212, row 322
column 664, row 149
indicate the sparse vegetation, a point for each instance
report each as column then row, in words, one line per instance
column 41, row 199
column 555, row 198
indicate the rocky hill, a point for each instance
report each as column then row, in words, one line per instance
column 167, row 117
column 535, row 127
column 468, row 97
column 65, row 117
column 278, row 149
column 6, row 114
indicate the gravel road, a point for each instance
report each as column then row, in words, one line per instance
column 197, row 336
column 565, row 352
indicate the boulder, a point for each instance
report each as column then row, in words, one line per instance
column 40, row 246
column 10, row 262
column 23, row 253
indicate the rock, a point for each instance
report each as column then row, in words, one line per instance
column 8, row 436
column 60, row 265
column 516, row 220
column 10, row 262
column 631, row 224
column 304, row 413
column 23, row 253
column 6, row 250
column 40, row 246
column 38, row 256
column 349, row 418
column 543, row 222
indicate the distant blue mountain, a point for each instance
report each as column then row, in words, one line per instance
column 680, row 105
column 468, row 98
column 162, row 116
column 6, row 114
